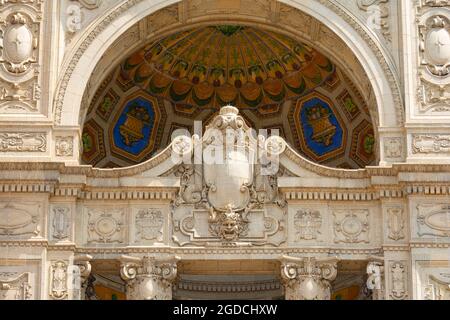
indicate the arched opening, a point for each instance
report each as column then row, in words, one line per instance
column 278, row 82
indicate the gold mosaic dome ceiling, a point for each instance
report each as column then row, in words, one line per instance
column 276, row 82
column 217, row 65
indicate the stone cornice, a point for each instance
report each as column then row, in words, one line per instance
column 275, row 252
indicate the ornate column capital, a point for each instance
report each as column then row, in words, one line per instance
column 375, row 277
column 83, row 262
column 149, row 278
column 308, row 278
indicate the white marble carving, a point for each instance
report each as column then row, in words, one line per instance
column 148, row 278
column 395, row 223
column 23, row 142
column 61, row 223
column 149, row 225
column 393, row 148
column 431, row 143
column 58, row 280
column 15, row 287
column 19, row 220
column 106, row 226
column 433, row 220
column 351, row 226
column 307, row 224
column 64, row 146
column 437, row 289
column 18, row 43
column 398, row 283
column 375, row 279
column 435, row 45
column 308, row 278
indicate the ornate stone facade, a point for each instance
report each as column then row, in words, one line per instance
column 107, row 188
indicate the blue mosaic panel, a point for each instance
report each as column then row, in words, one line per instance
column 321, row 129
column 134, row 126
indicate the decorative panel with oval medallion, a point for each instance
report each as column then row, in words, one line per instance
column 433, row 220
column 20, row 32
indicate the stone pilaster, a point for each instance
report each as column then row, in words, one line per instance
column 308, row 278
column 83, row 262
column 148, row 278
column 375, row 279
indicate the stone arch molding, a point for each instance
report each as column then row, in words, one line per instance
column 83, row 58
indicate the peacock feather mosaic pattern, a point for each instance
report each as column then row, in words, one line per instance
column 160, row 89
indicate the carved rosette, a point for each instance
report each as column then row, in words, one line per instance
column 351, row 226
column 308, row 278
column 148, row 278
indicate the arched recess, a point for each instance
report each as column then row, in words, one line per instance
column 85, row 57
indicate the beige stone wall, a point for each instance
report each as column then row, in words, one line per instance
column 52, row 209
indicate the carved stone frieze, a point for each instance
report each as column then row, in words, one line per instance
column 20, row 219
column 433, row 220
column 307, row 224
column 433, row 97
column 16, row 97
column 431, row 143
column 395, row 223
column 434, row 3
column 148, row 278
column 23, row 142
column 149, row 225
column 393, row 148
column 398, row 280
column 60, row 223
column 308, row 278
column 15, row 287
column 260, row 227
column 106, row 226
column 351, row 226
column 64, row 146
column 58, row 280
